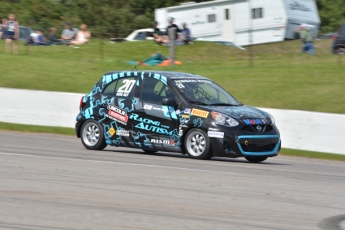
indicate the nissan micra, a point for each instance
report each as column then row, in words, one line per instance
column 174, row 112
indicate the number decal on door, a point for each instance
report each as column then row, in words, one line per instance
column 125, row 90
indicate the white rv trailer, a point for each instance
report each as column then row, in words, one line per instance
column 243, row 21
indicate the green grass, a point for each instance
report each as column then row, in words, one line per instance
column 36, row 129
column 282, row 77
column 71, row 132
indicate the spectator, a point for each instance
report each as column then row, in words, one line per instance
column 39, row 39
column 12, row 33
column 82, row 37
column 157, row 33
column 52, row 37
column 172, row 25
column 306, row 35
column 1, row 30
column 69, row 33
column 185, row 38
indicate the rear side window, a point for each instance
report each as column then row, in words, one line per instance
column 110, row 89
column 121, row 88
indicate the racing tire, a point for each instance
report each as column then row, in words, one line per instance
column 257, row 159
column 198, row 145
column 92, row 135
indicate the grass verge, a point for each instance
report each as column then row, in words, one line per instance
column 282, row 77
column 69, row 131
column 36, row 129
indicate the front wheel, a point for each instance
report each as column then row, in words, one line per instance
column 256, row 159
column 92, row 135
column 198, row 144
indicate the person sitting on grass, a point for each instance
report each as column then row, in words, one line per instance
column 69, row 33
column 52, row 37
column 82, row 37
column 39, row 39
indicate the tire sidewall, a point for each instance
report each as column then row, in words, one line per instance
column 101, row 141
column 207, row 154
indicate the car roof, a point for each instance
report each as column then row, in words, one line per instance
column 168, row 74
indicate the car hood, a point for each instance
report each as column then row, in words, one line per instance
column 240, row 112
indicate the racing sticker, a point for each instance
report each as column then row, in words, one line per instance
column 126, row 89
column 167, row 142
column 215, row 134
column 187, row 111
column 117, row 114
column 213, row 129
column 122, row 133
column 151, row 107
column 185, row 116
column 253, row 121
column 199, row 113
column 111, row 131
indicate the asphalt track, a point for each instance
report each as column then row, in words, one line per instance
column 52, row 182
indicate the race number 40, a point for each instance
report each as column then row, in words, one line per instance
column 125, row 90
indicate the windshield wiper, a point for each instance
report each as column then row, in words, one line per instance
column 198, row 103
column 220, row 104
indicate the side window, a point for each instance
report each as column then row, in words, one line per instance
column 110, row 89
column 121, row 88
column 154, row 91
column 125, row 87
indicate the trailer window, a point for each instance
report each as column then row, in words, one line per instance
column 257, row 13
column 227, row 14
column 211, row 18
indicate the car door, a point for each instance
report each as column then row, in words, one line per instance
column 115, row 107
column 156, row 126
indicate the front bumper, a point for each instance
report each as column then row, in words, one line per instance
column 239, row 143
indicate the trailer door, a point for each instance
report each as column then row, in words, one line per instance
column 227, row 23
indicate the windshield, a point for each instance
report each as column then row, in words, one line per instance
column 204, row 92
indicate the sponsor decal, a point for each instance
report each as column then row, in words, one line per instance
column 259, row 128
column 112, row 131
column 179, row 83
column 215, row 134
column 117, row 114
column 123, row 133
column 148, row 107
column 150, row 125
column 177, row 112
column 166, row 142
column 187, row 111
column 213, row 129
column 253, row 121
column 199, row 113
column 180, row 132
column 151, row 107
column 126, row 89
column 185, row 116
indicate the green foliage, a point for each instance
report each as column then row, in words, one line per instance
column 120, row 17
column 332, row 14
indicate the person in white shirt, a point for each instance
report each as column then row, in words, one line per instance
column 82, row 37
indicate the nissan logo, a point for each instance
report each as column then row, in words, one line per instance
column 259, row 128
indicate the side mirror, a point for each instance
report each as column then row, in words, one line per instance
column 169, row 101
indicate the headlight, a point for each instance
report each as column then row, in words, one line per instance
column 223, row 119
column 272, row 119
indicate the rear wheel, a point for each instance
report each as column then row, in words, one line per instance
column 197, row 144
column 92, row 135
column 256, row 159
